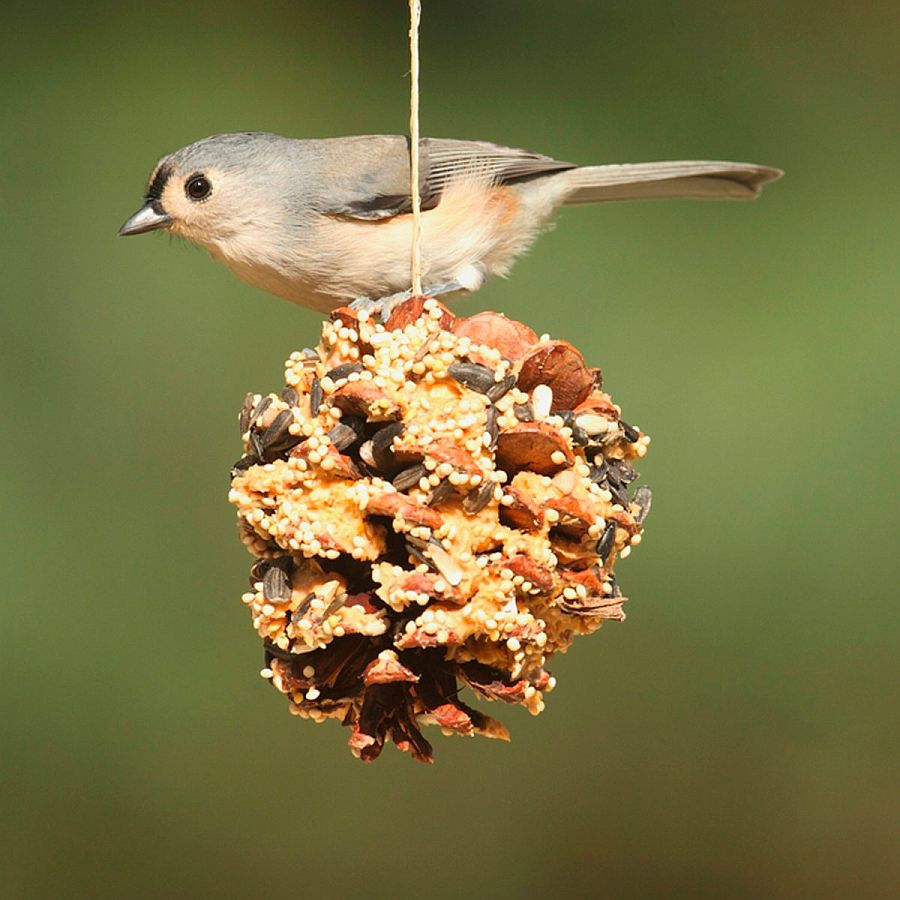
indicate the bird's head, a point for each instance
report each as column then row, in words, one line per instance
column 215, row 190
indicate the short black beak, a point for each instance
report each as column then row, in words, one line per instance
column 149, row 217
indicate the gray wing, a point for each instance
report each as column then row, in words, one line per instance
column 374, row 179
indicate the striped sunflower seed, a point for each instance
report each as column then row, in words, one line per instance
column 409, row 477
column 276, row 585
column 643, row 497
column 246, row 410
column 477, row 500
column 343, row 371
column 606, row 542
column 316, row 396
column 501, row 388
column 473, row 376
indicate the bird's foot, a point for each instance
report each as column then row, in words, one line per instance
column 380, row 307
column 384, row 306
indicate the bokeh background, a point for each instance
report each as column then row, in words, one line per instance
column 736, row 737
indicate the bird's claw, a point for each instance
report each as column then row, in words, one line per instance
column 365, row 304
column 384, row 306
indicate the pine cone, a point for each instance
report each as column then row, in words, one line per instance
column 432, row 503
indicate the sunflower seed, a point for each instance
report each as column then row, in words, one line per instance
column 356, row 423
column 616, row 591
column 365, row 454
column 316, row 396
column 290, row 396
column 619, row 494
column 417, row 554
column 335, row 605
column 260, row 408
column 276, row 585
column 277, row 430
column 246, row 409
column 500, row 388
column 344, row 370
column 599, row 471
column 524, row 411
column 607, row 539
column 491, row 426
column 443, row 490
column 342, row 436
column 643, row 497
column 256, row 445
column 382, row 452
column 303, row 608
column 473, row 376
column 631, row 433
column 580, row 438
column 477, row 500
column 244, row 463
column 409, row 477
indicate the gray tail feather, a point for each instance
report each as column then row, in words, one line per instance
column 648, row 181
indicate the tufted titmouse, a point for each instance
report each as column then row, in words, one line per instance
column 321, row 222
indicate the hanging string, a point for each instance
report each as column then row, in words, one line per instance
column 415, row 17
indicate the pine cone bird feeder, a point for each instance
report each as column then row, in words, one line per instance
column 432, row 503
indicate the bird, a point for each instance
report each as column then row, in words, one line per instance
column 326, row 222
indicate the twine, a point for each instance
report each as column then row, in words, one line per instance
column 415, row 17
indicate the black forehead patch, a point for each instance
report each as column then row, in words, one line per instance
column 160, row 177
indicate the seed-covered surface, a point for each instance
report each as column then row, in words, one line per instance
column 432, row 503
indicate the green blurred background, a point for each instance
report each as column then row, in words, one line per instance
column 736, row 737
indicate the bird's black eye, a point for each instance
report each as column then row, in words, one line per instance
column 198, row 187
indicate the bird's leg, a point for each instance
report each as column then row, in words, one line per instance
column 384, row 306
column 445, row 287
